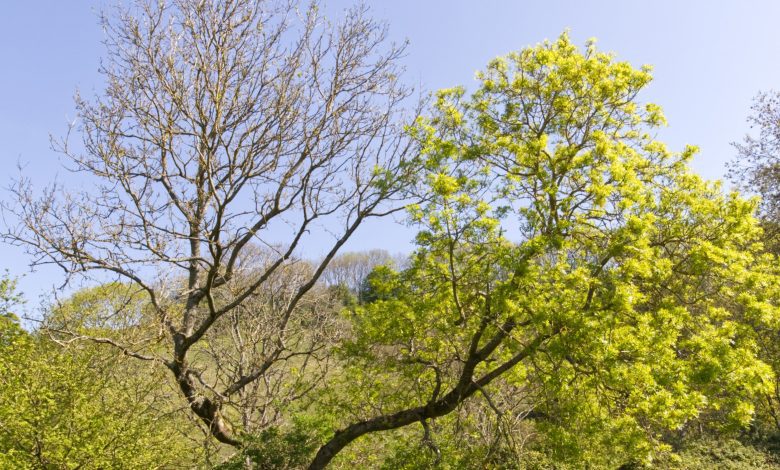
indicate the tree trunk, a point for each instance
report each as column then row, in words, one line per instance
column 209, row 411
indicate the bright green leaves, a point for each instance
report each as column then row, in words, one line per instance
column 11, row 334
column 78, row 407
column 549, row 205
column 549, row 214
column 562, row 131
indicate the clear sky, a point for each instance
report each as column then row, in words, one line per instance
column 709, row 57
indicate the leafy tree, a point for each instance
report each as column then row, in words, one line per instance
column 719, row 454
column 225, row 124
column 564, row 251
column 77, row 408
column 275, row 449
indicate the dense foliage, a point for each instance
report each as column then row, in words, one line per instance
column 74, row 408
column 567, row 256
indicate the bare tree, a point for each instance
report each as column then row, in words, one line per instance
column 224, row 123
column 351, row 269
column 247, row 341
column 756, row 168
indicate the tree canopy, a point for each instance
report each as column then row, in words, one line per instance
column 565, row 252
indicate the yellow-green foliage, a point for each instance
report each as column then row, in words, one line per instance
column 80, row 407
column 550, row 206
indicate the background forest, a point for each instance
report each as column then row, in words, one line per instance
column 578, row 297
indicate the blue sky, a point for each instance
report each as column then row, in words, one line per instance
column 710, row 58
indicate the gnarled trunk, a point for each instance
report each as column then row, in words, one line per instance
column 208, row 410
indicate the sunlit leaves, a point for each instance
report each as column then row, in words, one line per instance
column 549, row 205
